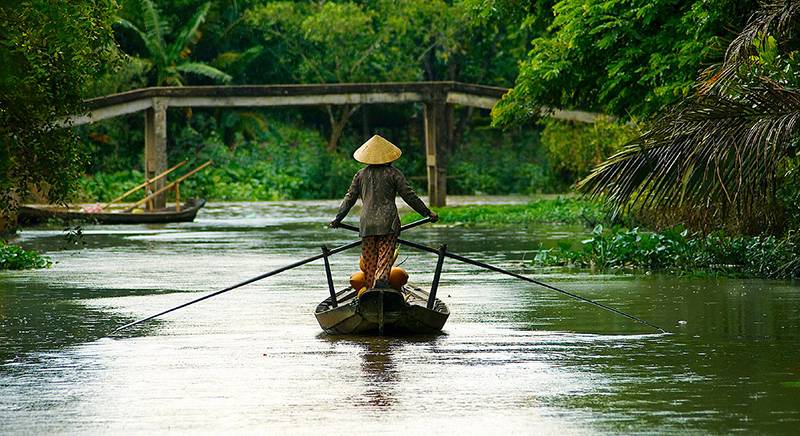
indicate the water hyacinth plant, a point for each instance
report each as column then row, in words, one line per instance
column 13, row 257
column 676, row 250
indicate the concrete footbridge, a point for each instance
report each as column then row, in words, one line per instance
column 438, row 99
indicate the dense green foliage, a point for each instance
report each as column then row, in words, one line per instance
column 574, row 149
column 48, row 52
column 290, row 161
column 728, row 153
column 675, row 250
column 620, row 57
column 557, row 210
column 167, row 63
column 14, row 257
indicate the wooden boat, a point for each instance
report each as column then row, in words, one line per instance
column 37, row 214
column 382, row 311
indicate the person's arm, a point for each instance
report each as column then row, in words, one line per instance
column 349, row 200
column 411, row 198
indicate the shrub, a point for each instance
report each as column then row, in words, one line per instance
column 573, row 149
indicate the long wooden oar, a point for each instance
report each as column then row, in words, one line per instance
column 239, row 285
column 512, row 274
column 528, row 279
column 265, row 275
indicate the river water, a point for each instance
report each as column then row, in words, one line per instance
column 513, row 358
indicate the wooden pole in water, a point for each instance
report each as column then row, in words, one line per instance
column 436, row 275
column 177, row 197
column 325, row 254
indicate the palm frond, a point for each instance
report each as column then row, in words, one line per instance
column 187, row 32
column 711, row 148
column 775, row 18
column 237, row 58
column 204, row 70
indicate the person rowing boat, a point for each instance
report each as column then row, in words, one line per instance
column 377, row 185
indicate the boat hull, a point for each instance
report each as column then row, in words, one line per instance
column 188, row 212
column 382, row 311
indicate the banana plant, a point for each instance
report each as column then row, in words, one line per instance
column 169, row 62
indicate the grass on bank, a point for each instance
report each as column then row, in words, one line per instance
column 13, row 257
column 565, row 210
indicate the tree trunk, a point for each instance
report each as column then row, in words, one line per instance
column 8, row 225
column 338, row 118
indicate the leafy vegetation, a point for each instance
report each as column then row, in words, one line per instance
column 14, row 257
column 728, row 152
column 574, row 149
column 167, row 63
column 290, row 161
column 565, row 210
column 49, row 52
column 619, row 57
column 676, row 250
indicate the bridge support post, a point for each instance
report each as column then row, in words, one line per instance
column 155, row 148
column 437, row 136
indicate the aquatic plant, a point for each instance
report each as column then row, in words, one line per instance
column 14, row 257
column 676, row 250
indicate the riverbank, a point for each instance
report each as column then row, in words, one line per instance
column 634, row 249
column 546, row 209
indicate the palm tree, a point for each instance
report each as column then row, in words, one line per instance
column 724, row 151
column 171, row 61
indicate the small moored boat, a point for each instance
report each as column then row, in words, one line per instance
column 37, row 214
column 382, row 311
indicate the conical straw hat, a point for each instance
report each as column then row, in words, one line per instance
column 377, row 151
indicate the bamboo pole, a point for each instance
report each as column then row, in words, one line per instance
column 177, row 197
column 144, row 184
column 170, row 186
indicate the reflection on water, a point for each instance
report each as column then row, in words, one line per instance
column 513, row 358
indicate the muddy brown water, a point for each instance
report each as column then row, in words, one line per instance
column 513, row 358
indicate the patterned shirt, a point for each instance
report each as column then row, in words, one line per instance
column 378, row 185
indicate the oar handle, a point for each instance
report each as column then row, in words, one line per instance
column 348, row 227
column 415, row 224
column 402, row 229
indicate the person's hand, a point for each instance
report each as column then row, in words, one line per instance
column 434, row 217
column 334, row 224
